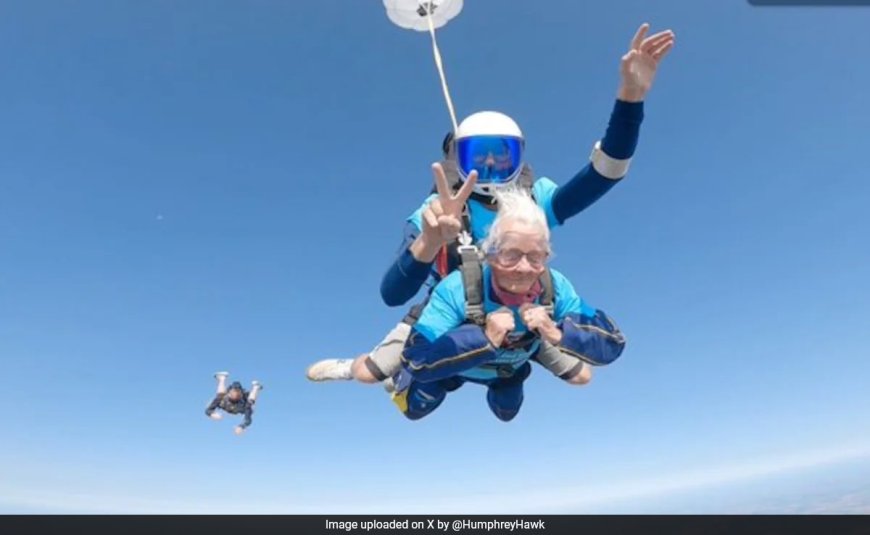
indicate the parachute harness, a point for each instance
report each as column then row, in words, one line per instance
column 472, row 277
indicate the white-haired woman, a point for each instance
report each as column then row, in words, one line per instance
column 445, row 350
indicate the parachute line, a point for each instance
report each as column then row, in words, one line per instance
column 440, row 66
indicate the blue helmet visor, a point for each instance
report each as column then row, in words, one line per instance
column 497, row 159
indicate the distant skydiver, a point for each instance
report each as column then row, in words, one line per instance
column 233, row 400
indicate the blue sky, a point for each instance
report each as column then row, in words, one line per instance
column 220, row 185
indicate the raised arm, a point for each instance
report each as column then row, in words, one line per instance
column 611, row 157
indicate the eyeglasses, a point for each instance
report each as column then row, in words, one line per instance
column 512, row 257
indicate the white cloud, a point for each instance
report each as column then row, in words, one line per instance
column 586, row 497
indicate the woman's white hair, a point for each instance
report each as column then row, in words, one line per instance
column 515, row 205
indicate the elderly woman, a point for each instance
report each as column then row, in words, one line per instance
column 446, row 350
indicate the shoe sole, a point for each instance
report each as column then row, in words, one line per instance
column 320, row 378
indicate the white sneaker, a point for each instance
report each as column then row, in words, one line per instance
column 330, row 370
column 218, row 375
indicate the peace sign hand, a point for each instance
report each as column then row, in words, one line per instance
column 640, row 63
column 442, row 218
column 452, row 204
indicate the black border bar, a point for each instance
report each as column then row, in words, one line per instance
column 436, row 524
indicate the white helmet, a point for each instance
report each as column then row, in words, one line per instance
column 492, row 144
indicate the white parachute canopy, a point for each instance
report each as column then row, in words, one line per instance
column 423, row 15
column 414, row 14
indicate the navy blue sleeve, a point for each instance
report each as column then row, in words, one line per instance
column 594, row 339
column 587, row 186
column 458, row 350
column 406, row 275
column 214, row 404
column 620, row 140
column 249, row 411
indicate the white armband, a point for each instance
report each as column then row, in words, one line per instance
column 608, row 166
